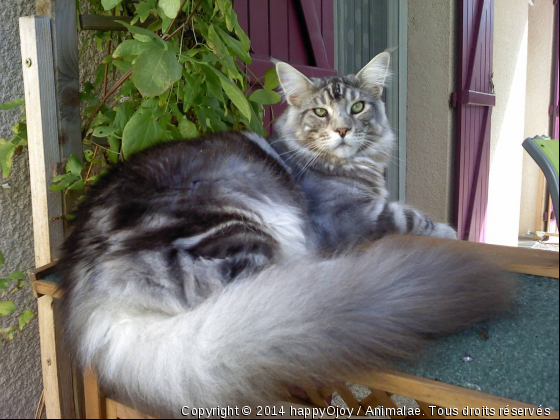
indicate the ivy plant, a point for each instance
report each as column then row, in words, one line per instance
column 180, row 70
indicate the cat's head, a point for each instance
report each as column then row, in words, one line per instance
column 336, row 119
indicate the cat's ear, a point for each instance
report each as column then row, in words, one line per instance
column 374, row 74
column 294, row 84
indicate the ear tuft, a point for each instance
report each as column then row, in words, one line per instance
column 293, row 83
column 374, row 74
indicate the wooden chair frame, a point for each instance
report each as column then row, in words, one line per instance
column 381, row 384
column 50, row 70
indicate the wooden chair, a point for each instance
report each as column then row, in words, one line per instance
column 49, row 43
column 430, row 394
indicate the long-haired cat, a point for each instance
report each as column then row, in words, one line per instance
column 192, row 277
column 337, row 140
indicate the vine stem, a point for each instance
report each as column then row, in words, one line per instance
column 165, row 38
column 176, row 17
column 123, row 79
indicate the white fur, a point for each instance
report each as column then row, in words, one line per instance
column 442, row 230
column 293, row 82
column 302, row 319
column 374, row 74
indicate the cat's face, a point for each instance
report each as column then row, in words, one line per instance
column 338, row 118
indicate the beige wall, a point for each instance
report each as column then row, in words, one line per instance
column 538, row 99
column 20, row 367
column 430, row 120
column 508, row 117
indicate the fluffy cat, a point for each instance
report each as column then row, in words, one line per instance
column 337, row 140
column 192, row 277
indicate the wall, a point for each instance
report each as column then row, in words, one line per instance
column 430, row 120
column 20, row 367
column 508, row 117
column 538, row 99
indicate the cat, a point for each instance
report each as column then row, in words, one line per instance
column 193, row 276
column 337, row 140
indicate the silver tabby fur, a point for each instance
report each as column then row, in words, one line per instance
column 339, row 160
column 193, row 277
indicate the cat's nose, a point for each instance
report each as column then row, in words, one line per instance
column 342, row 131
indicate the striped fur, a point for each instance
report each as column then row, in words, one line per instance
column 193, row 277
column 344, row 177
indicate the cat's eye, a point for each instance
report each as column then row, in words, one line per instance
column 321, row 112
column 357, row 107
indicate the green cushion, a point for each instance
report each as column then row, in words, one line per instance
column 550, row 149
column 513, row 356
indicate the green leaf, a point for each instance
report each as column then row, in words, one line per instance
column 124, row 112
column 144, row 8
column 12, row 104
column 170, row 7
column 65, row 181
column 141, row 132
column 74, row 166
column 213, row 83
column 7, row 307
column 7, row 150
column 215, row 43
column 25, row 317
column 110, row 4
column 235, row 94
column 2, row 260
column 271, row 79
column 187, row 128
column 155, row 70
column 16, row 275
column 114, row 145
column 104, row 131
column 131, row 47
column 123, row 66
column 78, row 185
column 235, row 47
column 165, row 20
column 265, row 97
column 142, row 34
column 4, row 283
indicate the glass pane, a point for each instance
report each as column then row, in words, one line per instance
column 365, row 28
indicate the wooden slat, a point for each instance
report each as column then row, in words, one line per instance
column 48, row 357
column 111, row 408
column 279, row 48
column 315, row 397
column 125, row 412
column 65, row 49
column 95, row 401
column 327, row 25
column 471, row 97
column 425, row 408
column 517, row 260
column 313, row 27
column 259, row 27
column 542, row 195
column 369, row 402
column 438, row 393
column 349, row 399
column 385, row 399
column 45, row 287
column 298, row 51
column 44, row 153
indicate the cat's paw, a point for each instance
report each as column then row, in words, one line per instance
column 442, row 230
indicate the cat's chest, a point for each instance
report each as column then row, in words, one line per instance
column 360, row 185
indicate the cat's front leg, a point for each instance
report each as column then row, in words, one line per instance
column 407, row 220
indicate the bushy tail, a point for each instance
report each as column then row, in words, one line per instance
column 319, row 320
